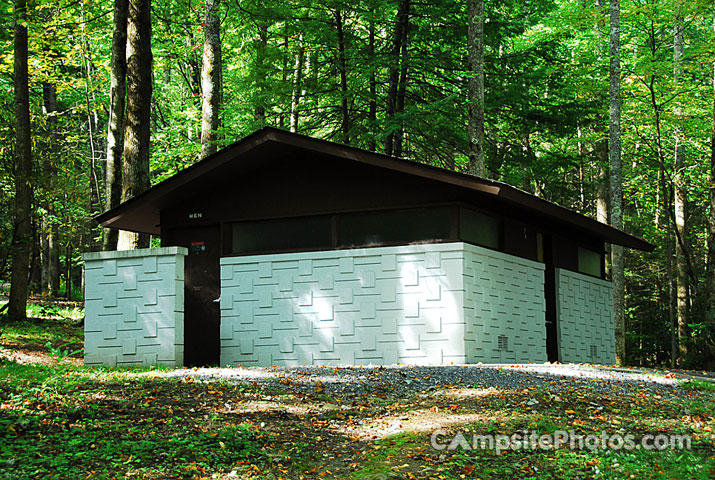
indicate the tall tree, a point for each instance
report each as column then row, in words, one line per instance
column 616, row 178
column 259, row 106
column 115, row 131
column 475, row 46
column 710, row 267
column 372, row 109
column 297, row 84
column 211, row 79
column 49, row 230
column 343, row 69
column 399, row 134
column 679, row 194
column 135, row 167
column 398, row 39
column 22, row 237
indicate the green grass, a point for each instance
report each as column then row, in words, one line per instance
column 699, row 385
column 57, row 324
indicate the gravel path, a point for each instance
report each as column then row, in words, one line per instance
column 403, row 380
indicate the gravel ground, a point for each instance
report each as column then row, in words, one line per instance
column 404, row 380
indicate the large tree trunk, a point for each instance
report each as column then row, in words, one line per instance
column 22, row 238
column 616, row 180
column 297, row 85
column 403, row 16
column 475, row 47
column 211, row 79
column 115, row 131
column 135, row 171
column 342, row 68
column 679, row 199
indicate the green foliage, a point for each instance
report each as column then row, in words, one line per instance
column 58, row 353
column 546, row 111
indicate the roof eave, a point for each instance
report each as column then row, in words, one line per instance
column 500, row 190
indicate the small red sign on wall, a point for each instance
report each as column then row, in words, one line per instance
column 197, row 247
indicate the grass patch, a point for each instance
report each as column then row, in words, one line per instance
column 699, row 385
column 385, row 453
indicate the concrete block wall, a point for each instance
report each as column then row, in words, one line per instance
column 504, row 307
column 584, row 307
column 134, row 307
column 382, row 305
column 416, row 304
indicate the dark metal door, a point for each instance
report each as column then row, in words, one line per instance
column 202, row 288
column 552, row 328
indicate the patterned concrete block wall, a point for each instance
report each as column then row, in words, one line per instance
column 418, row 304
column 134, row 307
column 505, row 307
column 585, row 317
column 381, row 305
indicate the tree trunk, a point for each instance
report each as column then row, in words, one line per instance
column 602, row 185
column 372, row 114
column 679, row 198
column 95, row 202
column 297, row 85
column 22, row 238
column 403, row 15
column 68, row 270
column 210, row 79
column 284, row 78
column 35, row 260
column 710, row 278
column 115, row 132
column 475, row 47
column 667, row 206
column 259, row 108
column 135, row 168
column 342, row 68
column 581, row 170
column 401, row 92
column 616, row 180
column 48, row 227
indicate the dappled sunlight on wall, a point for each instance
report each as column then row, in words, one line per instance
column 416, row 304
column 382, row 305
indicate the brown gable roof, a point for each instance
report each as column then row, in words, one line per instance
column 141, row 213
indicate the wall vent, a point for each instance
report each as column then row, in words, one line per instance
column 594, row 351
column 503, row 343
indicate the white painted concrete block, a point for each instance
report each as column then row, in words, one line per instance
column 584, row 307
column 134, row 313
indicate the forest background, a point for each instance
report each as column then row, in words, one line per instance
column 403, row 77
